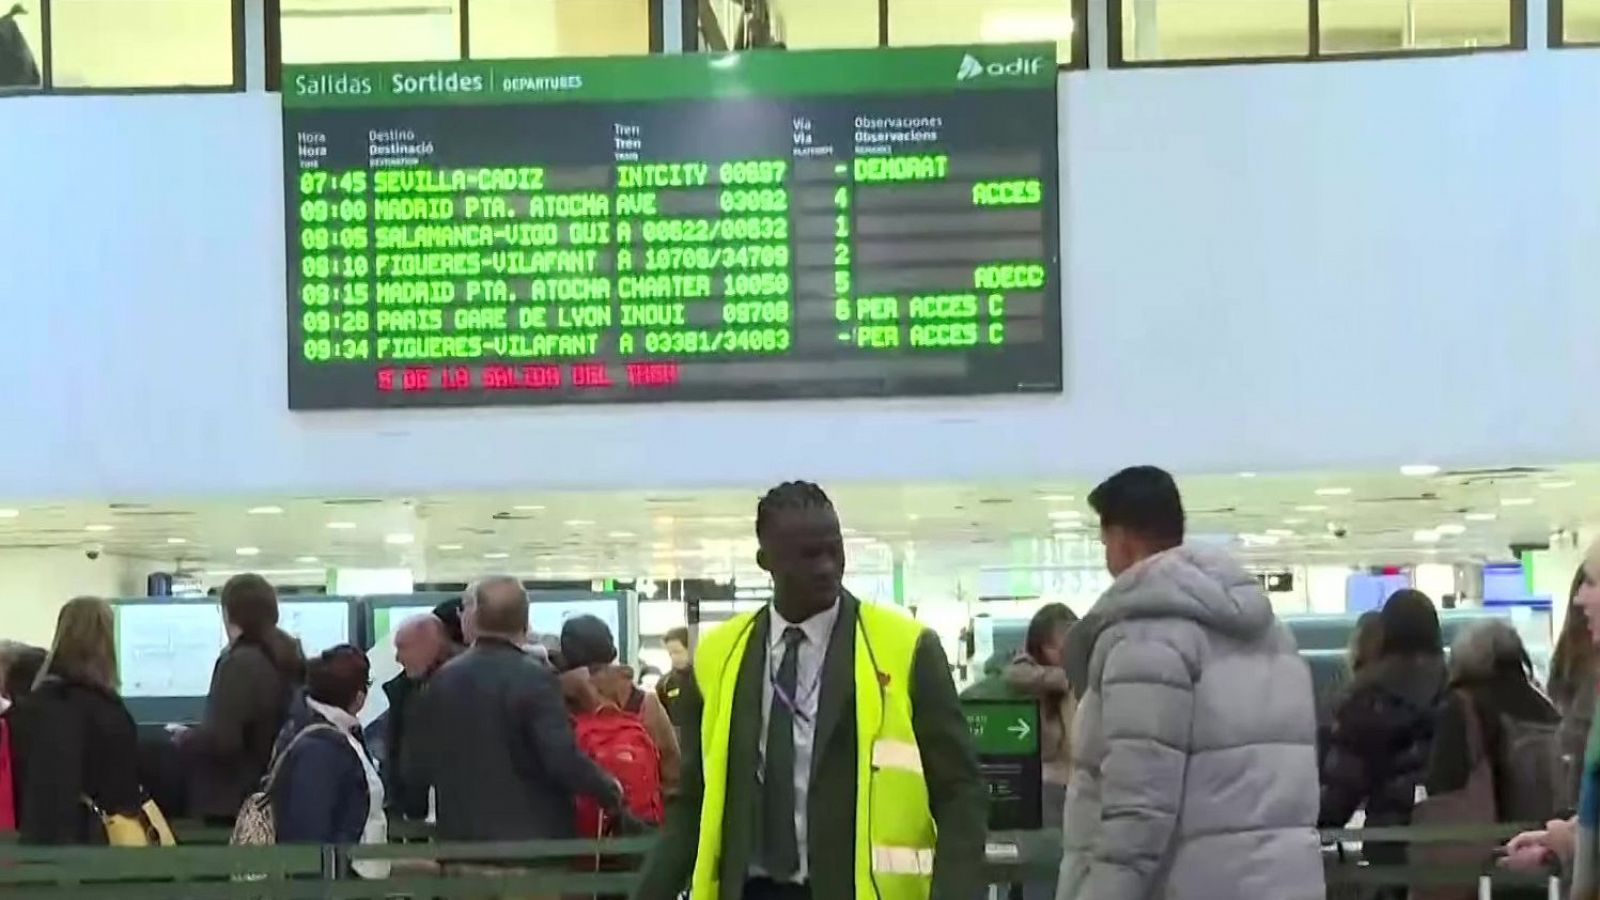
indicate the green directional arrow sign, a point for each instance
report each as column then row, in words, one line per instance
column 1006, row 735
column 1004, row 729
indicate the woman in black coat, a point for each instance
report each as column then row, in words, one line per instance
column 1382, row 735
column 251, row 687
column 72, row 738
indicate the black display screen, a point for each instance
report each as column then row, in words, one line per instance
column 761, row 225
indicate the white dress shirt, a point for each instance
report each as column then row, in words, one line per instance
column 808, row 685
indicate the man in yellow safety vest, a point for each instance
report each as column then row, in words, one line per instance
column 825, row 755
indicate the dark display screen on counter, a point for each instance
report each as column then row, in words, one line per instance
column 761, row 225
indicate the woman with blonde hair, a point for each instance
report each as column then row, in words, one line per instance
column 72, row 738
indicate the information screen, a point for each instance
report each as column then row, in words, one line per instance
column 761, row 225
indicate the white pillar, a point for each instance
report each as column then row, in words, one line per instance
column 255, row 45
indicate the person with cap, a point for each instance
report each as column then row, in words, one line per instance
column 449, row 615
column 589, row 655
column 421, row 645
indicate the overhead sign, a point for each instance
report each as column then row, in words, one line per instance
column 691, row 227
column 1006, row 735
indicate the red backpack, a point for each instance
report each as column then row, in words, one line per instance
column 619, row 742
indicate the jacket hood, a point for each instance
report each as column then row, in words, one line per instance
column 1197, row 582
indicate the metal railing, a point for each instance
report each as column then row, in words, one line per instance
column 204, row 868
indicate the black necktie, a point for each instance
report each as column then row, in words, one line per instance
column 781, row 856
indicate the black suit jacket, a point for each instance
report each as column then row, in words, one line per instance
column 956, row 794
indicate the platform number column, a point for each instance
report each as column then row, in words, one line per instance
column 842, row 227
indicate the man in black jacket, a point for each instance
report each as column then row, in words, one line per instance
column 492, row 739
column 421, row 646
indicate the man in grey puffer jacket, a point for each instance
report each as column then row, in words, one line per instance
column 1195, row 769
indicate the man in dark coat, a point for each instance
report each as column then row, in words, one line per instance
column 421, row 646
column 491, row 736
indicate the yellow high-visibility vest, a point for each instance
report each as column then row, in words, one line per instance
column 894, row 828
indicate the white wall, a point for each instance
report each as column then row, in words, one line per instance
column 1268, row 267
column 35, row 583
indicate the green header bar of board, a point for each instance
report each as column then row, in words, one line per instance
column 1003, row 729
column 757, row 73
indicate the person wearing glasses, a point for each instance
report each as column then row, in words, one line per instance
column 323, row 784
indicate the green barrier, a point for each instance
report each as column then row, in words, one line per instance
column 21, row 865
column 197, row 872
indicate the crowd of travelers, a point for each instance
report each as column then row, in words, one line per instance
column 1179, row 737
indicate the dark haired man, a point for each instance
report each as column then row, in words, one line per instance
column 1195, row 770
column 825, row 753
column 672, row 684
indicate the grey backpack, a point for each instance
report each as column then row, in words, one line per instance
column 256, row 826
column 1532, row 769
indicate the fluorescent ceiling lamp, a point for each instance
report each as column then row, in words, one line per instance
column 449, row 548
column 497, row 556
column 1247, row 474
column 177, row 540
column 1058, row 498
column 305, row 560
column 620, row 535
column 578, row 523
column 1279, row 532
column 1333, row 492
column 1419, row 470
column 265, row 510
column 10, row 513
column 1428, row 536
column 99, row 528
column 1065, row 514
column 1516, row 501
column 248, row 551
column 528, row 507
column 1310, row 508
column 1557, row 485
column 342, row 526
column 1295, row 521
column 399, row 539
column 1480, row 517
column 1451, row 529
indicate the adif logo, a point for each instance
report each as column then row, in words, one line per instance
column 972, row 67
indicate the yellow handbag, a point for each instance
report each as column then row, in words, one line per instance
column 148, row 828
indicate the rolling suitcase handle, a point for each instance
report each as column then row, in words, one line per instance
column 1486, row 888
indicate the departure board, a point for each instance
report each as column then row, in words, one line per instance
column 691, row 227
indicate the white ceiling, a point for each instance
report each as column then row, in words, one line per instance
column 1272, row 518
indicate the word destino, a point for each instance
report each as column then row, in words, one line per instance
column 440, row 82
